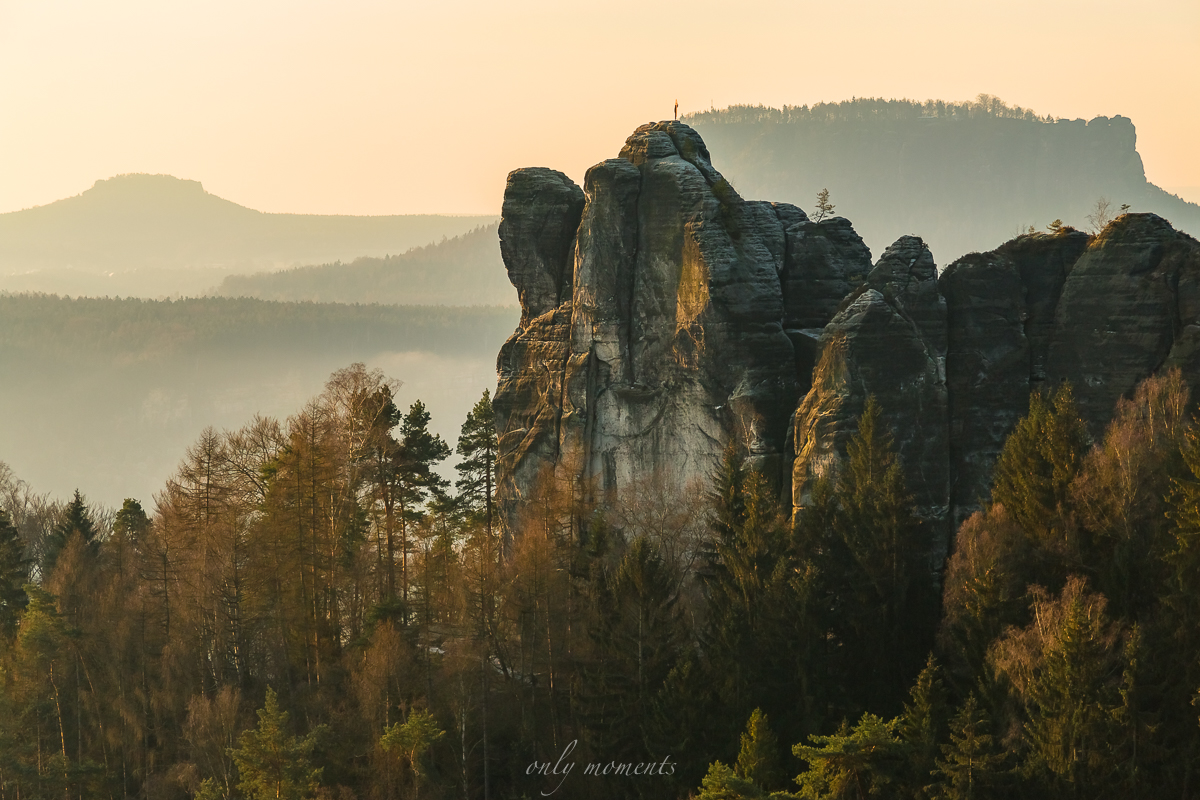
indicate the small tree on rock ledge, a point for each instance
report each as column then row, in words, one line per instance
column 824, row 207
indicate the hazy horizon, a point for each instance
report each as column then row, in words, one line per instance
column 370, row 108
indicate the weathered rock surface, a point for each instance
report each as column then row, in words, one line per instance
column 888, row 341
column 1000, row 314
column 664, row 317
column 658, row 337
column 1127, row 306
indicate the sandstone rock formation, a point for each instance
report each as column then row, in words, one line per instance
column 653, row 310
column 664, row 317
column 889, row 340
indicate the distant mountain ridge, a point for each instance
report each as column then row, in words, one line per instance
column 139, row 221
column 463, row 271
column 964, row 176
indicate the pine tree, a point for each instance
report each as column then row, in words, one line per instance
column 412, row 740
column 882, row 606
column 412, row 464
column 922, row 723
column 758, row 759
column 970, row 762
column 477, row 444
column 722, row 783
column 272, row 764
column 858, row 762
column 1040, row 458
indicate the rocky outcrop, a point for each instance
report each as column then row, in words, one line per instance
column 664, row 317
column 1127, row 307
column 656, row 337
column 888, row 341
column 1000, row 309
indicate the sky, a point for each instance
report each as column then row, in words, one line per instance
column 372, row 107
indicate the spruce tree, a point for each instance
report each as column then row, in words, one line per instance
column 882, row 606
column 760, row 633
column 637, row 635
column 922, row 723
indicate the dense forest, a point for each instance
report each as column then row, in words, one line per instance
column 463, row 271
column 964, row 176
column 107, row 392
column 307, row 609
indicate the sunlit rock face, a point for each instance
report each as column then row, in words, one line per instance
column 664, row 318
column 658, row 336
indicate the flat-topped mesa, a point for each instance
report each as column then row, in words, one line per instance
column 658, row 338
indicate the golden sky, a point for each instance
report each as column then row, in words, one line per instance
column 372, row 107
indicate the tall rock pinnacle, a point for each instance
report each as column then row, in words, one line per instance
column 664, row 318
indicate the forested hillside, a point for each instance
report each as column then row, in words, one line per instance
column 105, row 393
column 307, row 610
column 466, row 270
column 962, row 176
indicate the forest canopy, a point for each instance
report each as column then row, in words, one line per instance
column 307, row 609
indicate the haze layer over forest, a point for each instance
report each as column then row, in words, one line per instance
column 105, row 395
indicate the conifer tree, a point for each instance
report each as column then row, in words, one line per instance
column 858, row 762
column 477, row 444
column 413, row 460
column 637, row 637
column 723, row 783
column 75, row 520
column 1041, row 457
column 411, row 740
column 922, row 722
column 758, row 759
column 273, row 764
column 970, row 762
column 761, row 630
column 881, row 603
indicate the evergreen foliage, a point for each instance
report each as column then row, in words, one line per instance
column 1066, row 663
column 758, row 760
column 273, row 764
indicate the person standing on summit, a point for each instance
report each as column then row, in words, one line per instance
column 677, row 109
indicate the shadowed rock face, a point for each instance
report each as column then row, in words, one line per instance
column 1000, row 308
column 1128, row 306
column 664, row 317
column 889, row 340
